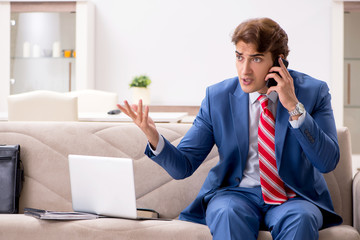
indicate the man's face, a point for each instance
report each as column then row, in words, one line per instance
column 252, row 67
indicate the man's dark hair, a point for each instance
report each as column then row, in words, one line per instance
column 265, row 34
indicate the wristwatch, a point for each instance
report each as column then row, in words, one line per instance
column 299, row 109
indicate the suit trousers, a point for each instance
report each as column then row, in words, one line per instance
column 239, row 213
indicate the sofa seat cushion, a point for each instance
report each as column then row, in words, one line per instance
column 17, row 226
column 333, row 233
column 339, row 232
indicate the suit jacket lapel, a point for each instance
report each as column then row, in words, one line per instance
column 239, row 104
column 281, row 126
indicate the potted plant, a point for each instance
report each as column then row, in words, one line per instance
column 140, row 90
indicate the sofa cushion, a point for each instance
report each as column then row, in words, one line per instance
column 19, row 226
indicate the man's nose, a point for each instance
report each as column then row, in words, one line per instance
column 246, row 69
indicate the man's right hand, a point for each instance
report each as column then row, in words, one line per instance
column 142, row 120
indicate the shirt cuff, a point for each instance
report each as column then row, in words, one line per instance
column 160, row 146
column 297, row 123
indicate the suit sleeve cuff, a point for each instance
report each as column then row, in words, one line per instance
column 297, row 123
column 160, row 146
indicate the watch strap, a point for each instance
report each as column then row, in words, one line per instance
column 299, row 109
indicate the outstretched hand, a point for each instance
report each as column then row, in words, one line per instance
column 141, row 118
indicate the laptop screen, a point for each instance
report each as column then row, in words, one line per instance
column 103, row 185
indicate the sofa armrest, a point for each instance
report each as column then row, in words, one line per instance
column 356, row 201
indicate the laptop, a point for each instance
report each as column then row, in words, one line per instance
column 103, row 186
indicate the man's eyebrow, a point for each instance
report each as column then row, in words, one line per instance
column 257, row 55
column 252, row 55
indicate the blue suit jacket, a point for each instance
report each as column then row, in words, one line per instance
column 302, row 154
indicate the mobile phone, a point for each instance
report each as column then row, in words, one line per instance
column 271, row 81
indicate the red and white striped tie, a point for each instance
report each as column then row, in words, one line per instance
column 273, row 188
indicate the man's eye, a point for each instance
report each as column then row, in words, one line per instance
column 239, row 57
column 257, row 60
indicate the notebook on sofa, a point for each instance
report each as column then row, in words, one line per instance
column 100, row 187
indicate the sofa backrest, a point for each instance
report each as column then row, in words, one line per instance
column 339, row 181
column 46, row 145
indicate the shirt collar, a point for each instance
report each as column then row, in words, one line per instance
column 273, row 96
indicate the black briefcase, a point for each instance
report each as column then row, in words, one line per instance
column 11, row 178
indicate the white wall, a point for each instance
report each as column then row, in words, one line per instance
column 185, row 45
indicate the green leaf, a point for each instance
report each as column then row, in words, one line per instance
column 140, row 81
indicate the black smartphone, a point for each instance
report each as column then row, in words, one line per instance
column 271, row 82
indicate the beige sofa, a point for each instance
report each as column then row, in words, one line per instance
column 44, row 150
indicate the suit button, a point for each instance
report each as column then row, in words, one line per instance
column 237, row 179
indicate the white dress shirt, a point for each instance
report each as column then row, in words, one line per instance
column 251, row 174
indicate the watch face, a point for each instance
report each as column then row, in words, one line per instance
column 300, row 107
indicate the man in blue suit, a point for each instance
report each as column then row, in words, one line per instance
column 231, row 200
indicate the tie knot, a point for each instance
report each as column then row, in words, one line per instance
column 263, row 99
